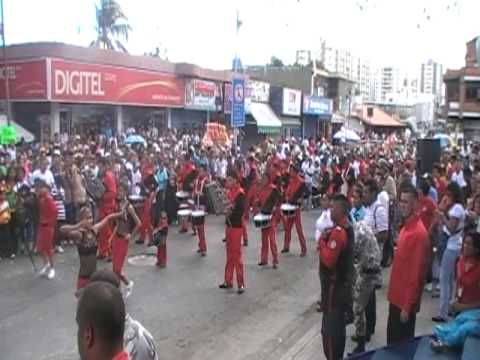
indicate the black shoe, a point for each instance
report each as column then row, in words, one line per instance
column 223, row 240
column 139, row 242
column 359, row 349
column 245, row 243
column 303, row 254
column 203, row 254
column 275, row 266
column 262, row 264
column 284, row 251
column 225, row 286
column 438, row 319
column 240, row 290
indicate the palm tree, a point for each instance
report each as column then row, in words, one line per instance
column 112, row 23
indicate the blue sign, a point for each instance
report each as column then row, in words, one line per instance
column 316, row 105
column 238, row 105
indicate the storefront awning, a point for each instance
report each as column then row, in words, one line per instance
column 267, row 121
column 290, row 122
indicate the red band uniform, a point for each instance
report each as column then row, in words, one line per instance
column 160, row 236
column 107, row 206
column 269, row 198
column 294, row 195
column 198, row 196
column 234, row 235
column 185, row 179
column 47, row 220
column 335, row 249
column 146, row 228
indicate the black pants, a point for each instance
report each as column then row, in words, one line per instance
column 396, row 330
column 371, row 314
column 333, row 333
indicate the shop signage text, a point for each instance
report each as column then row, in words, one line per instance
column 26, row 80
column 292, row 101
column 200, row 95
column 82, row 82
column 316, row 105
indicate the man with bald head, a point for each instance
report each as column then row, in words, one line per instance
column 101, row 323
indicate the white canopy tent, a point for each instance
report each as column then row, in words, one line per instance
column 345, row 135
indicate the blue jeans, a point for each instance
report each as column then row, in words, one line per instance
column 447, row 278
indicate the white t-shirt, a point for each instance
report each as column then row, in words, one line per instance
column 384, row 199
column 455, row 240
column 459, row 179
column 46, row 177
column 323, row 223
column 376, row 216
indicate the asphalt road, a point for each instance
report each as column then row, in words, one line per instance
column 189, row 317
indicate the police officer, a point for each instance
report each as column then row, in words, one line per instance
column 367, row 268
column 336, row 262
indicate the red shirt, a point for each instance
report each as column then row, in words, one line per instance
column 441, row 185
column 468, row 282
column 409, row 265
column 110, row 196
column 331, row 245
column 47, row 215
column 426, row 208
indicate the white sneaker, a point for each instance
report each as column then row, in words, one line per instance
column 12, row 257
column 129, row 289
column 43, row 270
column 51, row 273
column 429, row 287
column 59, row 250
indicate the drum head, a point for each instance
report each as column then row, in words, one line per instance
column 182, row 194
column 262, row 217
column 184, row 212
column 135, row 197
column 198, row 213
column 288, row 207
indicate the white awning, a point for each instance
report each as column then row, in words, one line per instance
column 267, row 121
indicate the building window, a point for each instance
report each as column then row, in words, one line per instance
column 472, row 91
column 452, row 90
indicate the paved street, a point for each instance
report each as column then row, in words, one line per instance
column 189, row 317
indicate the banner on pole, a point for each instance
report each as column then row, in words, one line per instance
column 238, row 106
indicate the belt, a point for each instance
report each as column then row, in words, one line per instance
column 372, row 271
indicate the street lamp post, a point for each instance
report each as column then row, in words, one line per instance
column 5, row 71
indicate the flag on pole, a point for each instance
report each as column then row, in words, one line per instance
column 239, row 22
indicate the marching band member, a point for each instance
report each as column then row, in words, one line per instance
column 234, row 233
column 106, row 207
column 269, row 198
column 185, row 179
column 250, row 186
column 160, row 239
column 125, row 228
column 47, row 221
column 85, row 236
column 293, row 195
column 198, row 196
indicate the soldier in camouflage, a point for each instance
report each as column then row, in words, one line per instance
column 367, row 258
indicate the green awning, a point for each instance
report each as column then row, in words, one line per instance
column 267, row 121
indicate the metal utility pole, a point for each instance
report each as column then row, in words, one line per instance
column 5, row 70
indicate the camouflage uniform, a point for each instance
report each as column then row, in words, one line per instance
column 367, row 257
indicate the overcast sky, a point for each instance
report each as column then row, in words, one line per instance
column 388, row 32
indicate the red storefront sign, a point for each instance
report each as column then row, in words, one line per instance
column 80, row 82
column 26, row 80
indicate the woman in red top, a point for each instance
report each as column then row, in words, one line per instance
column 468, row 274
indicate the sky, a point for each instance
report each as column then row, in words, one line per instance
column 402, row 33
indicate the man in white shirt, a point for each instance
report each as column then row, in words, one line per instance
column 457, row 176
column 44, row 174
column 376, row 216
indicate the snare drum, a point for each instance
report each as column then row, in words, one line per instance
column 137, row 201
column 184, row 213
column 182, row 196
column 288, row 210
column 198, row 217
column 262, row 221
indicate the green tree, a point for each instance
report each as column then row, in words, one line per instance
column 112, row 25
column 275, row 61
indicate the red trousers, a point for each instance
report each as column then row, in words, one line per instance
column 162, row 255
column 269, row 240
column 45, row 235
column 104, row 233
column 146, row 229
column 202, row 244
column 119, row 253
column 297, row 219
column 183, row 224
column 234, row 256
